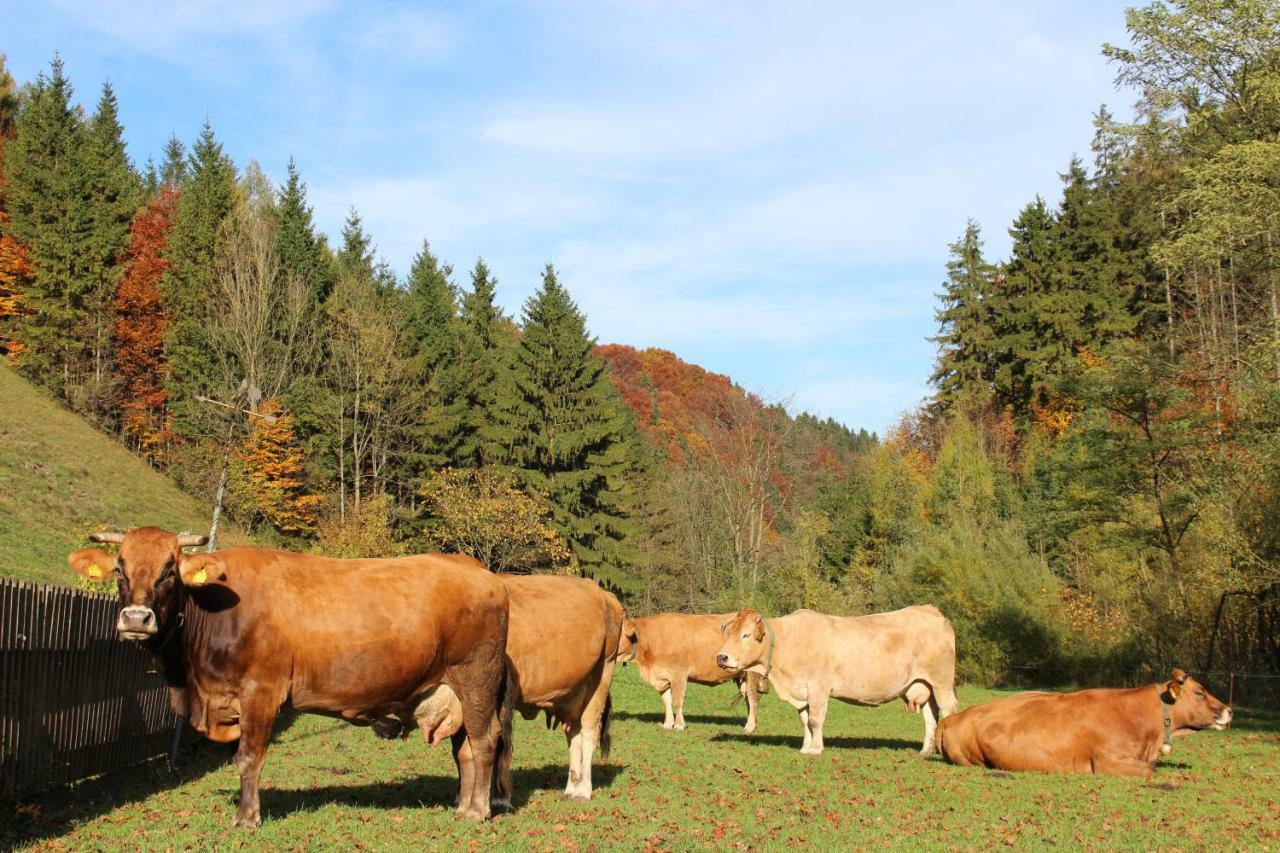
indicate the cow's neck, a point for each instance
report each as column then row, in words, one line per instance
column 167, row 647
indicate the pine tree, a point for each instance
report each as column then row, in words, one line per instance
column 432, row 337
column 302, row 252
column 46, row 192
column 208, row 197
column 173, row 172
column 487, row 343
column 113, row 193
column 569, row 435
column 965, row 368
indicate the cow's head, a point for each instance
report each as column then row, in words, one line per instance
column 746, row 641
column 1194, row 707
column 628, row 641
column 148, row 569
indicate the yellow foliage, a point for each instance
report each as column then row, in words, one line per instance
column 273, row 470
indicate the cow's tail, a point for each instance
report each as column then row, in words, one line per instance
column 606, row 742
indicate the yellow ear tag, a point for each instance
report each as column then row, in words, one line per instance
column 95, row 572
column 199, row 577
column 1174, row 690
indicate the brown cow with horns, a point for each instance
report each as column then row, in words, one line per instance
column 242, row 632
column 1120, row 732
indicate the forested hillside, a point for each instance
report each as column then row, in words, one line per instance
column 1096, row 467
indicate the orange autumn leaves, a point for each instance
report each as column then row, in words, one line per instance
column 270, row 476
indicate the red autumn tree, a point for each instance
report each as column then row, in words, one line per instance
column 139, row 328
column 15, row 260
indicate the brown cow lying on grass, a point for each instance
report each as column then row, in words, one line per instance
column 672, row 649
column 242, row 632
column 810, row 657
column 1117, row 732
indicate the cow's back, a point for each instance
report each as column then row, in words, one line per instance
column 681, row 642
column 562, row 630
column 345, row 634
column 870, row 659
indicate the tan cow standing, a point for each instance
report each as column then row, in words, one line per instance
column 672, row 649
column 562, row 642
column 810, row 657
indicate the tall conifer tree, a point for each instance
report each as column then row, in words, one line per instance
column 569, row 434
column 46, row 191
column 965, row 369
column 208, row 196
column 487, row 343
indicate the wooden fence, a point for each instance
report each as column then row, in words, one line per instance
column 74, row 700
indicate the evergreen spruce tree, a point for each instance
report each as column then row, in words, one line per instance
column 302, row 252
column 173, row 172
column 964, row 370
column 113, row 195
column 432, row 335
column 47, row 196
column 208, row 196
column 570, row 436
column 487, row 345
column 1016, row 301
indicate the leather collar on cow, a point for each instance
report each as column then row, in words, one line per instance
column 1167, row 746
column 773, row 641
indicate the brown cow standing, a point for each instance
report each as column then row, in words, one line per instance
column 242, row 632
column 563, row 640
column 1117, row 732
column 672, row 649
column 811, row 657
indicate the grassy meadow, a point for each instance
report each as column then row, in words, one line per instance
column 61, row 479
column 327, row 785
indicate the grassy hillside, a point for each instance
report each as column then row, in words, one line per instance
column 60, row 479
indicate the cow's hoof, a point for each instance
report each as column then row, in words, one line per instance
column 576, row 796
column 678, row 727
column 240, row 821
column 470, row 814
column 749, row 730
column 668, row 725
column 810, row 751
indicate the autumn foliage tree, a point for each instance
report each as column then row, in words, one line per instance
column 140, row 325
column 269, row 481
column 484, row 513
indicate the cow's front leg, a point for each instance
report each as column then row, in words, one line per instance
column 669, row 717
column 753, row 702
column 257, row 719
column 678, row 685
column 930, row 726
column 1122, row 765
column 817, row 715
column 573, row 734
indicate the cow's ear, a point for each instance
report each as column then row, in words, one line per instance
column 93, row 563
column 1171, row 690
column 724, row 629
column 201, row 569
column 760, row 629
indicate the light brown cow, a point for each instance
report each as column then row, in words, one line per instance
column 240, row 633
column 810, row 657
column 672, row 649
column 1117, row 732
column 561, row 648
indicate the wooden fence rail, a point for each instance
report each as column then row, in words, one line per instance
column 74, row 700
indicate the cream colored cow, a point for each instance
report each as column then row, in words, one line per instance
column 810, row 657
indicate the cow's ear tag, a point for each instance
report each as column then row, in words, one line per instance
column 1172, row 689
column 199, row 577
column 95, row 572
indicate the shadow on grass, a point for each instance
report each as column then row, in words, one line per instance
column 422, row 791
column 794, row 741
column 654, row 717
column 1255, row 720
column 52, row 813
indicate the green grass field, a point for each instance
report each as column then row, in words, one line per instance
column 328, row 785
column 61, row 479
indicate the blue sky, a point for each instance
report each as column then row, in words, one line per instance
column 767, row 189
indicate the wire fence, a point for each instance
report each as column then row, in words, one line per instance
column 74, row 700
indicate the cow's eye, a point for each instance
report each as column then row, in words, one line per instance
column 1200, row 693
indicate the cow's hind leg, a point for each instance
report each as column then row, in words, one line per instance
column 479, row 685
column 257, row 719
column 929, row 711
column 578, row 768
